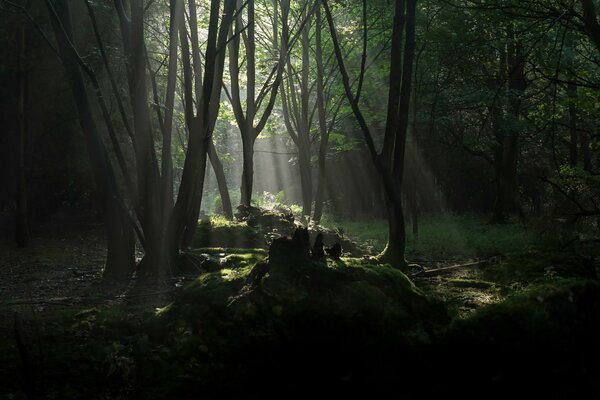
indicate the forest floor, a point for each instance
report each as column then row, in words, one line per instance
column 55, row 287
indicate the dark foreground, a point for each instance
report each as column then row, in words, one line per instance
column 291, row 327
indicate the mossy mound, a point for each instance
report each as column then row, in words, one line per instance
column 289, row 287
column 215, row 232
column 280, row 317
column 257, row 228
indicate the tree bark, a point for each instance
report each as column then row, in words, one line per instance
column 574, row 136
column 184, row 220
column 221, row 180
column 246, row 120
column 395, row 80
column 396, row 247
column 507, row 197
column 22, row 226
column 395, row 250
column 120, row 261
column 324, row 132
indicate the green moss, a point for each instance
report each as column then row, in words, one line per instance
column 296, row 289
column 218, row 232
column 536, row 266
column 537, row 311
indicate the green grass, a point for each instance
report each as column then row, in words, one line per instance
column 445, row 237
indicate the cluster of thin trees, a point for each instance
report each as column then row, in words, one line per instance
column 133, row 170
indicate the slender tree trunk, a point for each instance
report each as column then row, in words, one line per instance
column 396, row 247
column 395, row 250
column 194, row 213
column 22, row 227
column 157, row 260
column 324, row 144
column 305, row 179
column 507, row 199
column 304, row 143
column 249, row 123
column 120, row 261
column 574, row 136
column 221, row 180
column 395, row 80
column 247, row 169
column 184, row 221
column 177, row 14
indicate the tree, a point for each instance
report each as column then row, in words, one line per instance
column 253, row 119
column 390, row 163
column 160, row 222
column 22, row 227
column 119, row 233
column 296, row 110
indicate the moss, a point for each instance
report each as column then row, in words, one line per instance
column 216, row 232
column 544, row 313
column 536, row 266
column 293, row 290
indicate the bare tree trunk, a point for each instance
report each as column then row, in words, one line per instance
column 324, row 144
column 396, row 247
column 177, row 14
column 395, row 81
column 22, row 227
column 392, row 181
column 507, row 198
column 120, row 261
column 305, row 179
column 221, row 180
column 574, row 136
column 304, row 142
column 247, row 168
column 157, row 260
column 184, row 221
column 246, row 119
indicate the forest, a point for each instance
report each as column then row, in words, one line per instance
column 299, row 199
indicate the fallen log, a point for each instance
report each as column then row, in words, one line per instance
column 444, row 270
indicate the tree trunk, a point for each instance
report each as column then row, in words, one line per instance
column 193, row 214
column 574, row 136
column 221, row 180
column 305, row 179
column 120, row 260
column 184, row 220
column 22, row 227
column 249, row 123
column 324, row 144
column 507, row 198
column 395, row 250
column 395, row 80
column 392, row 182
column 247, row 170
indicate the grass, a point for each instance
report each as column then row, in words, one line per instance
column 444, row 237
